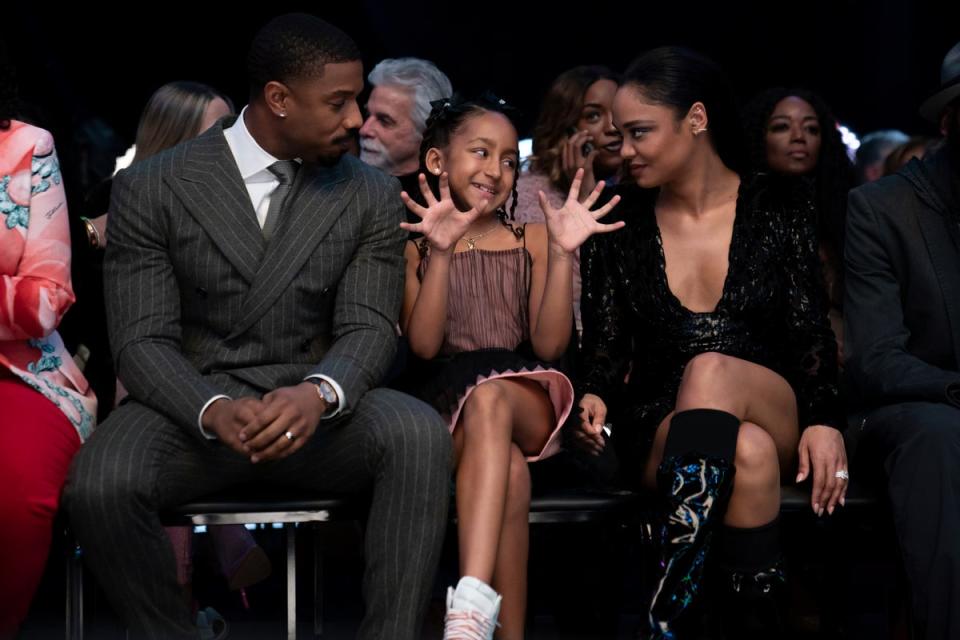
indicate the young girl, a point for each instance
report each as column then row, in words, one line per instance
column 479, row 292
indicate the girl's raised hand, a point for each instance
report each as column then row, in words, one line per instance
column 441, row 223
column 570, row 225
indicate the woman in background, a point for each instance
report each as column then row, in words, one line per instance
column 793, row 136
column 574, row 130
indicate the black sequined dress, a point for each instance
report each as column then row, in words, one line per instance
column 773, row 311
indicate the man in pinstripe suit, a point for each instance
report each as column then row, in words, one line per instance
column 254, row 277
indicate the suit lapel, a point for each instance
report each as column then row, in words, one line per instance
column 212, row 190
column 318, row 197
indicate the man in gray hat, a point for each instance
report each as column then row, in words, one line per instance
column 903, row 355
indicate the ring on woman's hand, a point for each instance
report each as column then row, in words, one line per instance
column 289, row 435
column 842, row 474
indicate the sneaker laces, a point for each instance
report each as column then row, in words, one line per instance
column 467, row 625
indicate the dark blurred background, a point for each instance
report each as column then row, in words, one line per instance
column 86, row 72
column 874, row 61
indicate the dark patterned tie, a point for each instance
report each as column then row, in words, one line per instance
column 285, row 170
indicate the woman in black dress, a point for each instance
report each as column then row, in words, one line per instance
column 707, row 315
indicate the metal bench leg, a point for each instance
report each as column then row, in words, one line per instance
column 317, row 584
column 291, row 580
column 74, row 612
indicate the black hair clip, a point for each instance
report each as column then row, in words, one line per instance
column 492, row 99
column 443, row 104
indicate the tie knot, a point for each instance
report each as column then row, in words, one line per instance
column 285, row 170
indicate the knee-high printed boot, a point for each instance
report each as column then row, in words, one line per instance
column 694, row 481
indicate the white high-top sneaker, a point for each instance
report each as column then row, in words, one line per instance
column 472, row 610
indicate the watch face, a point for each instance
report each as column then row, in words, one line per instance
column 329, row 395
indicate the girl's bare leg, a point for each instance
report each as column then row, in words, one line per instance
column 501, row 420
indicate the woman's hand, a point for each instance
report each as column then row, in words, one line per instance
column 573, row 159
column 589, row 432
column 570, row 225
column 822, row 449
column 441, row 223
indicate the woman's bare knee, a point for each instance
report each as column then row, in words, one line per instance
column 706, row 364
column 756, row 456
column 705, row 381
column 756, row 485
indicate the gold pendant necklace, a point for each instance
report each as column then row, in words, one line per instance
column 472, row 240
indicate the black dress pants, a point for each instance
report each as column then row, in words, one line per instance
column 916, row 447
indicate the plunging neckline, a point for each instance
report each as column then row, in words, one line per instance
column 664, row 281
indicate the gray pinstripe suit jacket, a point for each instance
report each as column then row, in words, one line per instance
column 200, row 304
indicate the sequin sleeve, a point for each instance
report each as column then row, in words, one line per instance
column 606, row 343
column 810, row 343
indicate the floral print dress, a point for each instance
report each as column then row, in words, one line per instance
column 35, row 288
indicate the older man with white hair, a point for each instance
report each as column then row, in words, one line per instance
column 397, row 114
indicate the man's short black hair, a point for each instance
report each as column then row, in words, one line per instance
column 296, row 45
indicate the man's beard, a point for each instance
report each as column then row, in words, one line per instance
column 376, row 155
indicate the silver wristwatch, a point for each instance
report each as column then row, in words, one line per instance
column 329, row 395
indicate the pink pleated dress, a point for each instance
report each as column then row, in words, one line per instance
column 487, row 336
